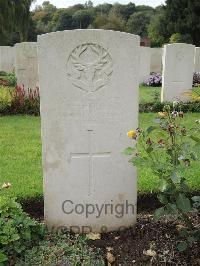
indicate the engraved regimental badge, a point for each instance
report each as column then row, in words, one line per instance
column 90, row 67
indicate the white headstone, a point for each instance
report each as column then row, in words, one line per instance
column 197, row 59
column 178, row 69
column 145, row 60
column 6, row 58
column 26, row 65
column 89, row 100
column 156, row 60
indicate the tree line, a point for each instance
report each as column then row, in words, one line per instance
column 176, row 21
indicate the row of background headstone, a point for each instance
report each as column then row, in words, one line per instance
column 23, row 60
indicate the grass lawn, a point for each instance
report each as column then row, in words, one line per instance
column 149, row 94
column 20, row 156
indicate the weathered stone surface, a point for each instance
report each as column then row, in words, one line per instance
column 26, row 65
column 156, row 60
column 178, row 66
column 6, row 58
column 89, row 100
column 145, row 61
column 197, row 59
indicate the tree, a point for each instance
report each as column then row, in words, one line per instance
column 157, row 31
column 183, row 17
column 123, row 11
column 14, row 17
column 138, row 23
column 43, row 17
column 128, row 10
column 103, row 9
column 88, row 4
column 64, row 20
column 82, row 19
column 142, row 8
column 110, row 22
column 179, row 38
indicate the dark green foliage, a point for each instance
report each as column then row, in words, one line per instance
column 158, row 107
column 183, row 17
column 62, row 249
column 82, row 19
column 18, row 231
column 10, row 77
column 2, row 73
column 157, row 29
column 138, row 23
column 103, row 9
column 14, row 19
column 64, row 21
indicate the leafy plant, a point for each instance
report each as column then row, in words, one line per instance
column 62, row 249
column 2, row 73
column 154, row 80
column 167, row 148
column 8, row 79
column 25, row 102
column 158, row 106
column 12, row 80
column 18, row 231
column 5, row 98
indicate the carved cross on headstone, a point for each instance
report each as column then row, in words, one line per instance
column 91, row 157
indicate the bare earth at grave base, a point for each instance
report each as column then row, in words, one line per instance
column 148, row 243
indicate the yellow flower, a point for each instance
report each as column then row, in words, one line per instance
column 162, row 114
column 132, row 134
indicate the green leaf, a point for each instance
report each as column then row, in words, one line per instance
column 196, row 198
column 186, row 146
column 172, row 209
column 3, row 257
column 183, row 232
column 195, row 138
column 191, row 239
column 159, row 213
column 175, row 178
column 150, row 129
column 129, row 151
column 163, row 186
column 193, row 156
column 149, row 149
column 184, row 186
column 162, row 198
column 182, row 246
column 183, row 203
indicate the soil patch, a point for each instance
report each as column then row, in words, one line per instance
column 148, row 243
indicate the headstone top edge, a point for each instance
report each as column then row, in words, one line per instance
column 51, row 34
column 179, row 44
column 5, row 46
column 28, row 43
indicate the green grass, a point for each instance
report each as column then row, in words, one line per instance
column 20, row 156
column 149, row 94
